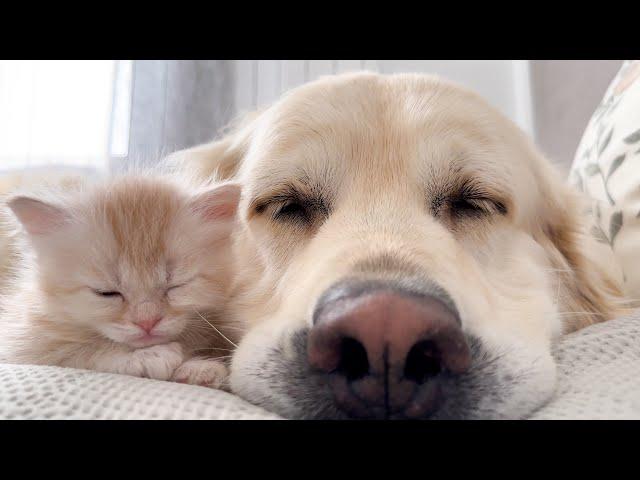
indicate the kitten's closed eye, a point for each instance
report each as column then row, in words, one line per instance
column 108, row 293
column 175, row 286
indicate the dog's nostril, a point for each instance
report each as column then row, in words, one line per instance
column 383, row 348
column 423, row 362
column 354, row 363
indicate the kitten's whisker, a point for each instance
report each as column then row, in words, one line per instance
column 215, row 348
column 212, row 326
column 239, row 329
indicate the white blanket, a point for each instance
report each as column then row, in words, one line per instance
column 599, row 378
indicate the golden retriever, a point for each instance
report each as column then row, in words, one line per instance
column 404, row 251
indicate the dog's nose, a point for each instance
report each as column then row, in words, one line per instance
column 385, row 348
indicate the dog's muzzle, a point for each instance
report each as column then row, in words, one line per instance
column 384, row 348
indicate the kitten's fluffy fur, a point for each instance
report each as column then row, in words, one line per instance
column 107, row 261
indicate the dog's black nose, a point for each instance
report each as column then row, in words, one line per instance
column 384, row 348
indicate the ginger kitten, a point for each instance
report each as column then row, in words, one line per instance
column 128, row 276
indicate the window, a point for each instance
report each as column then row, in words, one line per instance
column 72, row 113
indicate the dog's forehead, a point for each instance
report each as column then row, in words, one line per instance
column 363, row 108
column 405, row 124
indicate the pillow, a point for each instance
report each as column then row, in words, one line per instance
column 607, row 168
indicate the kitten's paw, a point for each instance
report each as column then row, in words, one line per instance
column 207, row 372
column 160, row 361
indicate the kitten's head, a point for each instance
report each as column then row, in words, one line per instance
column 137, row 260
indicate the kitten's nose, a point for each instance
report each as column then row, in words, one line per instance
column 148, row 323
column 147, row 316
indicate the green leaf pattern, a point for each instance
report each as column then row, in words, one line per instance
column 609, row 148
column 605, row 143
column 633, row 138
column 592, row 169
column 615, row 224
column 599, row 235
column 616, row 164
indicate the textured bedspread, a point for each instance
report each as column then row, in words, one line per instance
column 599, row 378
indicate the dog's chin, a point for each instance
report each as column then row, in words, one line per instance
column 500, row 385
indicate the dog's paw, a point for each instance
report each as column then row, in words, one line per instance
column 206, row 372
column 158, row 362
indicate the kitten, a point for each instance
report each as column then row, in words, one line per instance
column 128, row 276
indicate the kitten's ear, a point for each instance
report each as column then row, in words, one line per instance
column 37, row 217
column 219, row 203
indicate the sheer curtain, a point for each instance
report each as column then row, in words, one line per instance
column 103, row 114
column 107, row 113
column 57, row 112
column 177, row 104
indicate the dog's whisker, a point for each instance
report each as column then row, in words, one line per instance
column 628, row 300
column 567, row 314
column 576, row 313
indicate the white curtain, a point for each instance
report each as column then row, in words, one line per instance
column 177, row 104
column 106, row 113
column 56, row 112
column 103, row 114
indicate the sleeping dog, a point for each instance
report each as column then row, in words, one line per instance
column 404, row 251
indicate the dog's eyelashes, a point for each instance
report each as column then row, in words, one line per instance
column 294, row 207
column 292, row 210
column 466, row 207
column 475, row 207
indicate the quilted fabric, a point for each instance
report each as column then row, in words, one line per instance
column 599, row 378
column 599, row 373
column 42, row 392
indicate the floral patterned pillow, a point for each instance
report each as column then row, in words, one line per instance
column 607, row 168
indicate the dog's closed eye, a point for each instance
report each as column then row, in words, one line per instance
column 293, row 208
column 467, row 201
column 469, row 206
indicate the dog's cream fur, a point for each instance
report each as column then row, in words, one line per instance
column 378, row 159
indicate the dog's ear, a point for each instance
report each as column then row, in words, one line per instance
column 590, row 289
column 219, row 159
